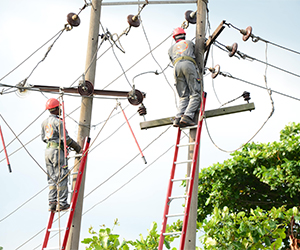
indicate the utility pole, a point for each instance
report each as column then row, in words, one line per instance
column 190, row 240
column 85, row 117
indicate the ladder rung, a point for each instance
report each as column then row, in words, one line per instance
column 74, row 173
column 73, row 156
column 180, row 162
column 184, row 145
column 182, row 179
column 174, row 215
column 56, row 229
column 172, row 233
column 191, row 127
column 177, row 197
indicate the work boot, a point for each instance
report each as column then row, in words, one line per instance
column 176, row 122
column 186, row 121
column 52, row 206
column 63, row 207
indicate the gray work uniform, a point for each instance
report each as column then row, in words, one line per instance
column 186, row 76
column 52, row 133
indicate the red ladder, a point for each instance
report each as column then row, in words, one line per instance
column 73, row 202
column 190, row 184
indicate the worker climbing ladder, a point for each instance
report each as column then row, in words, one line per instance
column 49, row 228
column 190, row 182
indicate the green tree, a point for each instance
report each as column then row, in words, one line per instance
column 106, row 240
column 261, row 176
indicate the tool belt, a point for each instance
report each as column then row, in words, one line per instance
column 184, row 58
column 52, row 144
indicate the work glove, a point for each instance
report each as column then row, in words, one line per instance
column 75, row 146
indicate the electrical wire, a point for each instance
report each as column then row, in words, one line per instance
column 138, row 61
column 23, row 204
column 47, row 185
column 105, row 181
column 256, row 85
column 175, row 95
column 250, row 58
column 25, row 147
column 49, row 49
column 257, row 38
column 24, row 130
column 30, row 56
column 134, row 175
column 271, row 113
column 117, row 57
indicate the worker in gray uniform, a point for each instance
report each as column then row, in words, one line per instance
column 187, row 81
column 57, row 168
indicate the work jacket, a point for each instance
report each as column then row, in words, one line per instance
column 52, row 130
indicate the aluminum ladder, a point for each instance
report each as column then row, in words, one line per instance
column 190, row 179
column 49, row 228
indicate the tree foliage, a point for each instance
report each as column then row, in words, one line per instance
column 265, row 175
column 250, row 198
column 259, row 230
column 106, row 240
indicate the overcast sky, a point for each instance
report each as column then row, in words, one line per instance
column 26, row 25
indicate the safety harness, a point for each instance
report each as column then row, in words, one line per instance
column 52, row 144
column 184, row 58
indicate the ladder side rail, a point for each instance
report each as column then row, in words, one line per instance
column 193, row 172
column 50, row 222
column 169, row 192
column 76, row 192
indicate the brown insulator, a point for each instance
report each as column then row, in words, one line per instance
column 246, row 96
column 190, row 16
column 246, row 33
column 232, row 49
column 73, row 19
column 86, row 88
column 135, row 97
column 142, row 110
column 133, row 21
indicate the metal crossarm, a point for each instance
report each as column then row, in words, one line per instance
column 190, row 183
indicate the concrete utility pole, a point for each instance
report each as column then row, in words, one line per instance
column 85, row 117
column 190, row 240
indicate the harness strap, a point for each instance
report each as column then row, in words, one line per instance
column 52, row 144
column 184, row 58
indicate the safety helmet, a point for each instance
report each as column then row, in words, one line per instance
column 178, row 31
column 52, row 103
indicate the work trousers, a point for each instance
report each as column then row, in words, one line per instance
column 188, row 87
column 52, row 157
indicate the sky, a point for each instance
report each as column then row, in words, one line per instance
column 118, row 184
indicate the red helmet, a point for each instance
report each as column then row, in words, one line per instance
column 52, row 103
column 178, row 31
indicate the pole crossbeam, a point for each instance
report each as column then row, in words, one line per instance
column 208, row 114
column 150, row 2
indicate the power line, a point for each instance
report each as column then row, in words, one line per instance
column 273, row 91
column 271, row 113
column 257, row 38
column 245, row 56
column 29, row 56
column 23, row 204
column 47, row 185
column 175, row 96
column 138, row 61
column 24, row 147
column 109, row 178
column 24, row 129
column 134, row 175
